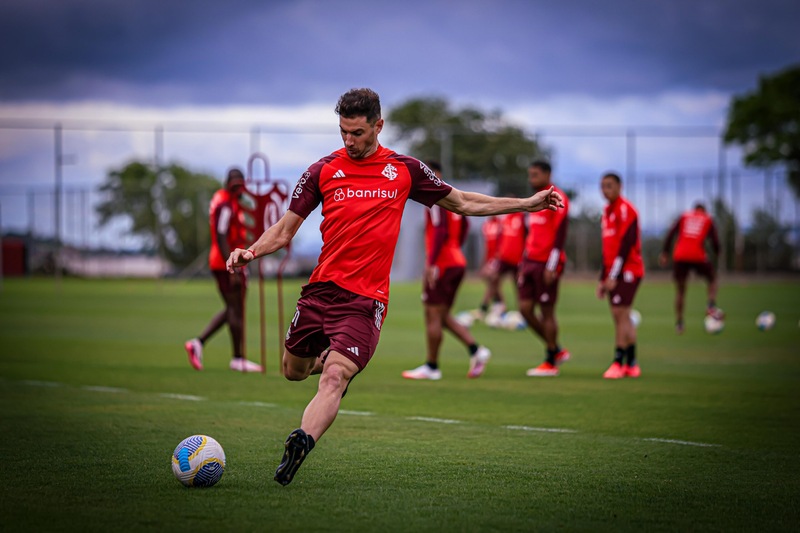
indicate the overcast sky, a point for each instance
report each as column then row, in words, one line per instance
column 542, row 63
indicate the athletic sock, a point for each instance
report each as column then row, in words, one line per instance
column 619, row 355
column 712, row 304
column 630, row 353
column 311, row 442
column 484, row 307
column 472, row 349
column 433, row 366
column 550, row 356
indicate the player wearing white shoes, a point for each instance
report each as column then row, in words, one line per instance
column 227, row 233
column 363, row 188
column 540, row 272
column 445, row 266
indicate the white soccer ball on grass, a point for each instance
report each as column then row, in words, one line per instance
column 713, row 324
column 765, row 320
column 198, row 461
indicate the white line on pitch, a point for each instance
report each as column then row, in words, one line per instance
column 356, row 413
column 545, row 430
column 435, row 420
column 258, row 404
column 188, row 397
column 100, row 388
column 684, row 442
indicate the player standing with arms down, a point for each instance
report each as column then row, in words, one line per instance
column 622, row 272
column 445, row 266
column 226, row 234
column 363, row 188
column 491, row 234
column 510, row 246
column 540, row 271
column 692, row 228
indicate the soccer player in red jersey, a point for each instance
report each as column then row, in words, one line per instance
column 491, row 235
column 692, row 228
column 445, row 267
column 510, row 246
column 363, row 188
column 622, row 272
column 226, row 234
column 540, row 271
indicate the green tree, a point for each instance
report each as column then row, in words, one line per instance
column 470, row 143
column 766, row 123
column 167, row 208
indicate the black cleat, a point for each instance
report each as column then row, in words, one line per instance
column 298, row 444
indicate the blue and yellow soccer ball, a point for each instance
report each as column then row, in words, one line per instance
column 198, row 461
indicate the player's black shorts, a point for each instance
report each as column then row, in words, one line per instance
column 681, row 269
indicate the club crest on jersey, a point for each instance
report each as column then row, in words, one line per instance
column 390, row 172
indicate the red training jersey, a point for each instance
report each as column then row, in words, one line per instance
column 692, row 228
column 445, row 232
column 511, row 244
column 547, row 233
column 223, row 218
column 491, row 234
column 622, row 244
column 362, row 206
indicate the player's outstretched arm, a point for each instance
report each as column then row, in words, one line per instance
column 272, row 240
column 476, row 204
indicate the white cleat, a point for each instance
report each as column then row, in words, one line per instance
column 423, row 372
column 240, row 364
column 477, row 363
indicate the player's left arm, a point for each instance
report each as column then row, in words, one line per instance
column 476, row 204
column 625, row 247
column 551, row 267
column 714, row 236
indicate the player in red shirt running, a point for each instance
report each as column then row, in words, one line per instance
column 622, row 272
column 363, row 188
column 692, row 228
column 540, row 271
column 226, row 234
column 445, row 267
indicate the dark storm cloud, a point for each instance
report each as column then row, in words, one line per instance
column 254, row 52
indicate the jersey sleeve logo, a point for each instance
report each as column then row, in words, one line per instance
column 390, row 172
column 431, row 174
column 298, row 189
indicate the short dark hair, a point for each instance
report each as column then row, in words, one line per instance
column 433, row 165
column 360, row 103
column 542, row 165
column 614, row 176
column 700, row 205
column 234, row 174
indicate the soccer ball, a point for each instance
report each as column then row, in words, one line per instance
column 636, row 317
column 765, row 320
column 465, row 318
column 513, row 320
column 713, row 324
column 198, row 461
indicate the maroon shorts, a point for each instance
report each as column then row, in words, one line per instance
column 329, row 316
column 681, row 269
column 531, row 285
column 503, row 267
column 227, row 282
column 625, row 290
column 445, row 288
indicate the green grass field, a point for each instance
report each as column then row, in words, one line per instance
column 95, row 392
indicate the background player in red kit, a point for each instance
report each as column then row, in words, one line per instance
column 540, row 271
column 363, row 188
column 692, row 228
column 491, row 235
column 510, row 245
column 445, row 266
column 622, row 272
column 226, row 234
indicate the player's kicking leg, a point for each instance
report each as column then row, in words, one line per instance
column 320, row 412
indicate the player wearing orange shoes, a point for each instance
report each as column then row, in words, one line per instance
column 693, row 228
column 623, row 270
column 540, row 271
column 445, row 267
